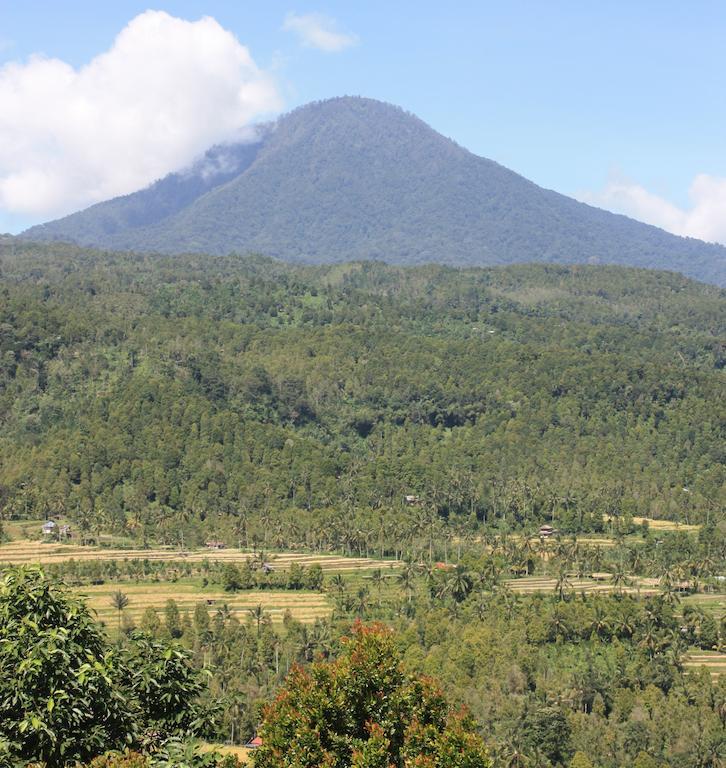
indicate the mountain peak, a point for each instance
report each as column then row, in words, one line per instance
column 356, row 178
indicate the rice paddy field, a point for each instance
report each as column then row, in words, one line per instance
column 662, row 525
column 530, row 584
column 25, row 551
column 304, row 606
column 714, row 603
column 714, row 662
column 666, row 525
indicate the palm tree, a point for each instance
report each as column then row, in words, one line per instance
column 377, row 578
column 481, row 607
column 508, row 597
column 676, row 650
column 406, row 578
column 599, row 625
column 563, row 583
column 362, row 601
column 668, row 588
column 694, row 616
column 235, row 707
column 620, row 578
column 337, row 582
column 119, row 601
column 321, row 637
column 459, row 584
column 492, row 571
column 511, row 755
column 258, row 615
column 558, row 625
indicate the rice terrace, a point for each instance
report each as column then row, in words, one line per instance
column 28, row 551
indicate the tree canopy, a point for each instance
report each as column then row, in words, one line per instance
column 67, row 695
column 363, row 710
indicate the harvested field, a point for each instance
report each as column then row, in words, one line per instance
column 666, row 525
column 713, row 603
column 25, row 551
column 304, row 606
column 663, row 525
column 714, row 662
column 596, row 541
column 531, row 584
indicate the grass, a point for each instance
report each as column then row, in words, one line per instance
column 21, row 529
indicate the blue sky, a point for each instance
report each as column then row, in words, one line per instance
column 622, row 104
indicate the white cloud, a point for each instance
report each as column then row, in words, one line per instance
column 318, row 31
column 164, row 92
column 704, row 219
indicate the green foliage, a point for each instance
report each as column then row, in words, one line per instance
column 172, row 619
column 644, row 760
column 580, row 760
column 364, row 710
column 165, row 688
column 231, row 578
column 65, row 696
column 173, row 754
column 353, row 178
column 59, row 694
column 224, row 398
column 126, row 759
column 271, row 406
column 547, row 731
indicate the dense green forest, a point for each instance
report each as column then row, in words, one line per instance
column 353, row 178
column 297, row 406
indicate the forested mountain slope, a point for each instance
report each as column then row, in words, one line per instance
column 354, row 178
column 152, row 392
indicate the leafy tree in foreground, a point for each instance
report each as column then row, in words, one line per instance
column 59, row 701
column 165, row 688
column 365, row 711
column 66, row 697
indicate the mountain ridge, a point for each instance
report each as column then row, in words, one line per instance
column 354, row 178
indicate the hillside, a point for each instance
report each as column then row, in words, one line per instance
column 150, row 392
column 354, row 178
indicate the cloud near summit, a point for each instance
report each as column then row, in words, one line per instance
column 316, row 30
column 164, row 92
column 705, row 219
